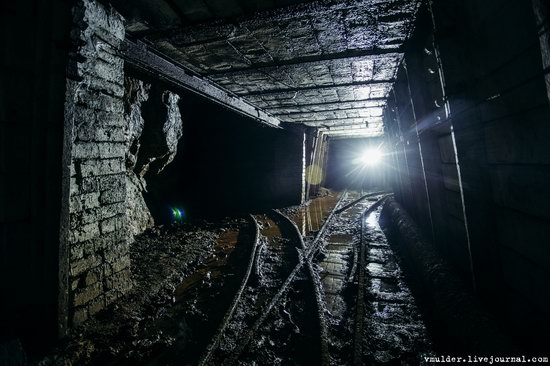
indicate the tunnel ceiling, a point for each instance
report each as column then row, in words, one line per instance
column 327, row 64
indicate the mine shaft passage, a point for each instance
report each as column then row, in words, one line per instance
column 274, row 182
column 307, row 284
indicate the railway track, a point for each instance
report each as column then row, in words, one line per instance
column 340, row 262
column 217, row 337
column 279, row 269
column 278, row 249
column 307, row 302
column 268, row 294
column 276, row 263
column 360, row 300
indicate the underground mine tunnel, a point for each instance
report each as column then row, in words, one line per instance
column 274, row 182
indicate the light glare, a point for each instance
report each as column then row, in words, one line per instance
column 371, row 157
column 178, row 214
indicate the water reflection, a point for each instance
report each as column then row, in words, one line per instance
column 310, row 218
column 372, row 220
column 210, row 269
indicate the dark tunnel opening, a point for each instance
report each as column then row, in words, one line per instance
column 228, row 164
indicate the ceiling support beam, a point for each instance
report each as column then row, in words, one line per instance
column 357, row 132
column 349, row 55
column 317, row 87
column 324, row 111
column 351, row 127
column 340, row 121
column 139, row 55
column 380, row 102
column 357, row 136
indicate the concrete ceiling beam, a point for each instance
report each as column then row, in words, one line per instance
column 142, row 57
column 348, row 55
column 375, row 102
column 318, row 87
column 350, row 109
column 342, row 121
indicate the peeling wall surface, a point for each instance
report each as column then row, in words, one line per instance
column 139, row 217
column 161, row 132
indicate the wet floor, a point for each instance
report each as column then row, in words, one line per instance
column 353, row 289
column 277, row 254
column 337, row 265
column 371, row 313
column 310, row 217
column 212, row 269
column 395, row 331
column 202, row 299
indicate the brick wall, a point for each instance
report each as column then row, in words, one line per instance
column 96, row 237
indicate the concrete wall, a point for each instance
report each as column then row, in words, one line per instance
column 468, row 121
column 34, row 38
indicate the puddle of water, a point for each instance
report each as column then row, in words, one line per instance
column 354, row 211
column 381, row 270
column 190, row 282
column 340, row 238
column 372, row 220
column 269, row 229
column 310, row 218
column 224, row 246
column 379, row 255
column 202, row 299
column 339, row 242
column 389, row 285
column 338, row 248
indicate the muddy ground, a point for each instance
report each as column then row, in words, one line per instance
column 188, row 275
column 166, row 262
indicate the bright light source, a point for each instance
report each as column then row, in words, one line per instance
column 371, row 157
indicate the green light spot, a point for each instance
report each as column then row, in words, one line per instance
column 178, row 214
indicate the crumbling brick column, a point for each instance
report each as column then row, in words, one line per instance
column 95, row 262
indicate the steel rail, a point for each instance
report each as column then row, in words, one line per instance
column 229, row 314
column 340, row 210
column 319, row 300
column 359, row 316
column 284, row 287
